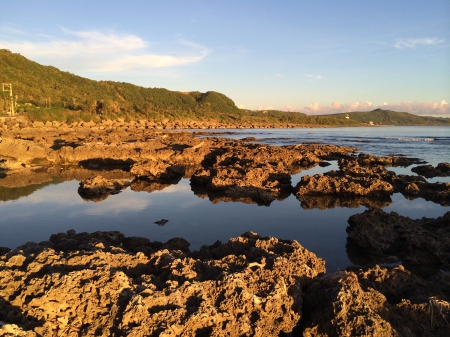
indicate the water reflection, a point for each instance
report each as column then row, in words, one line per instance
column 332, row 201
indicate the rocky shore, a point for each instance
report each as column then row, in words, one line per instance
column 106, row 284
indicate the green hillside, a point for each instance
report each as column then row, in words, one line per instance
column 52, row 92
column 388, row 117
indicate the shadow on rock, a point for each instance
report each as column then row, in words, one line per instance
column 13, row 322
column 100, row 164
column 379, row 237
column 428, row 171
column 376, row 302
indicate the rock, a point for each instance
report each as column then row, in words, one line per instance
column 38, row 124
column 88, row 284
column 24, row 151
column 161, row 222
column 346, row 185
column 158, row 171
column 376, row 302
column 413, row 187
column 259, row 173
column 428, row 171
column 375, row 235
column 392, row 160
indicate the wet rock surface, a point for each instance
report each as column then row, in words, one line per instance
column 106, row 284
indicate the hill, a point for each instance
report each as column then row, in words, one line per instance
column 389, row 117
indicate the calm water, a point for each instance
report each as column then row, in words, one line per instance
column 57, row 208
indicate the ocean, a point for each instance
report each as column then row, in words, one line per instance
column 58, row 207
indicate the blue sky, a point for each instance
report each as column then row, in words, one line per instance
column 310, row 56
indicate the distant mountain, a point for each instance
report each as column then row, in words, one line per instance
column 389, row 117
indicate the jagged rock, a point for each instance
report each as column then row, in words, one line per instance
column 158, row 171
column 428, row 171
column 259, row 173
column 376, row 302
column 413, row 187
column 93, row 284
column 342, row 185
column 375, row 236
column 392, row 160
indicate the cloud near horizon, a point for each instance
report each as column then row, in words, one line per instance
column 413, row 43
column 441, row 109
column 95, row 51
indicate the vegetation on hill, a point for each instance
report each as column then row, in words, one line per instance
column 45, row 93
column 389, row 117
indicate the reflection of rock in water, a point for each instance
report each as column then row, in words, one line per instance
column 376, row 236
column 99, row 188
column 332, row 201
column 143, row 185
column 246, row 195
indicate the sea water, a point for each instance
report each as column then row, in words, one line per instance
column 58, row 207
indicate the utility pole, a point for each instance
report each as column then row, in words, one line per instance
column 8, row 87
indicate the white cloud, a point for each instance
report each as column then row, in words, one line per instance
column 290, row 108
column 425, row 108
column 336, row 105
column 241, row 106
column 93, row 51
column 436, row 109
column 11, row 30
column 313, row 77
column 412, row 43
column 115, row 204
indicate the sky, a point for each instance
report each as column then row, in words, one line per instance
column 313, row 56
